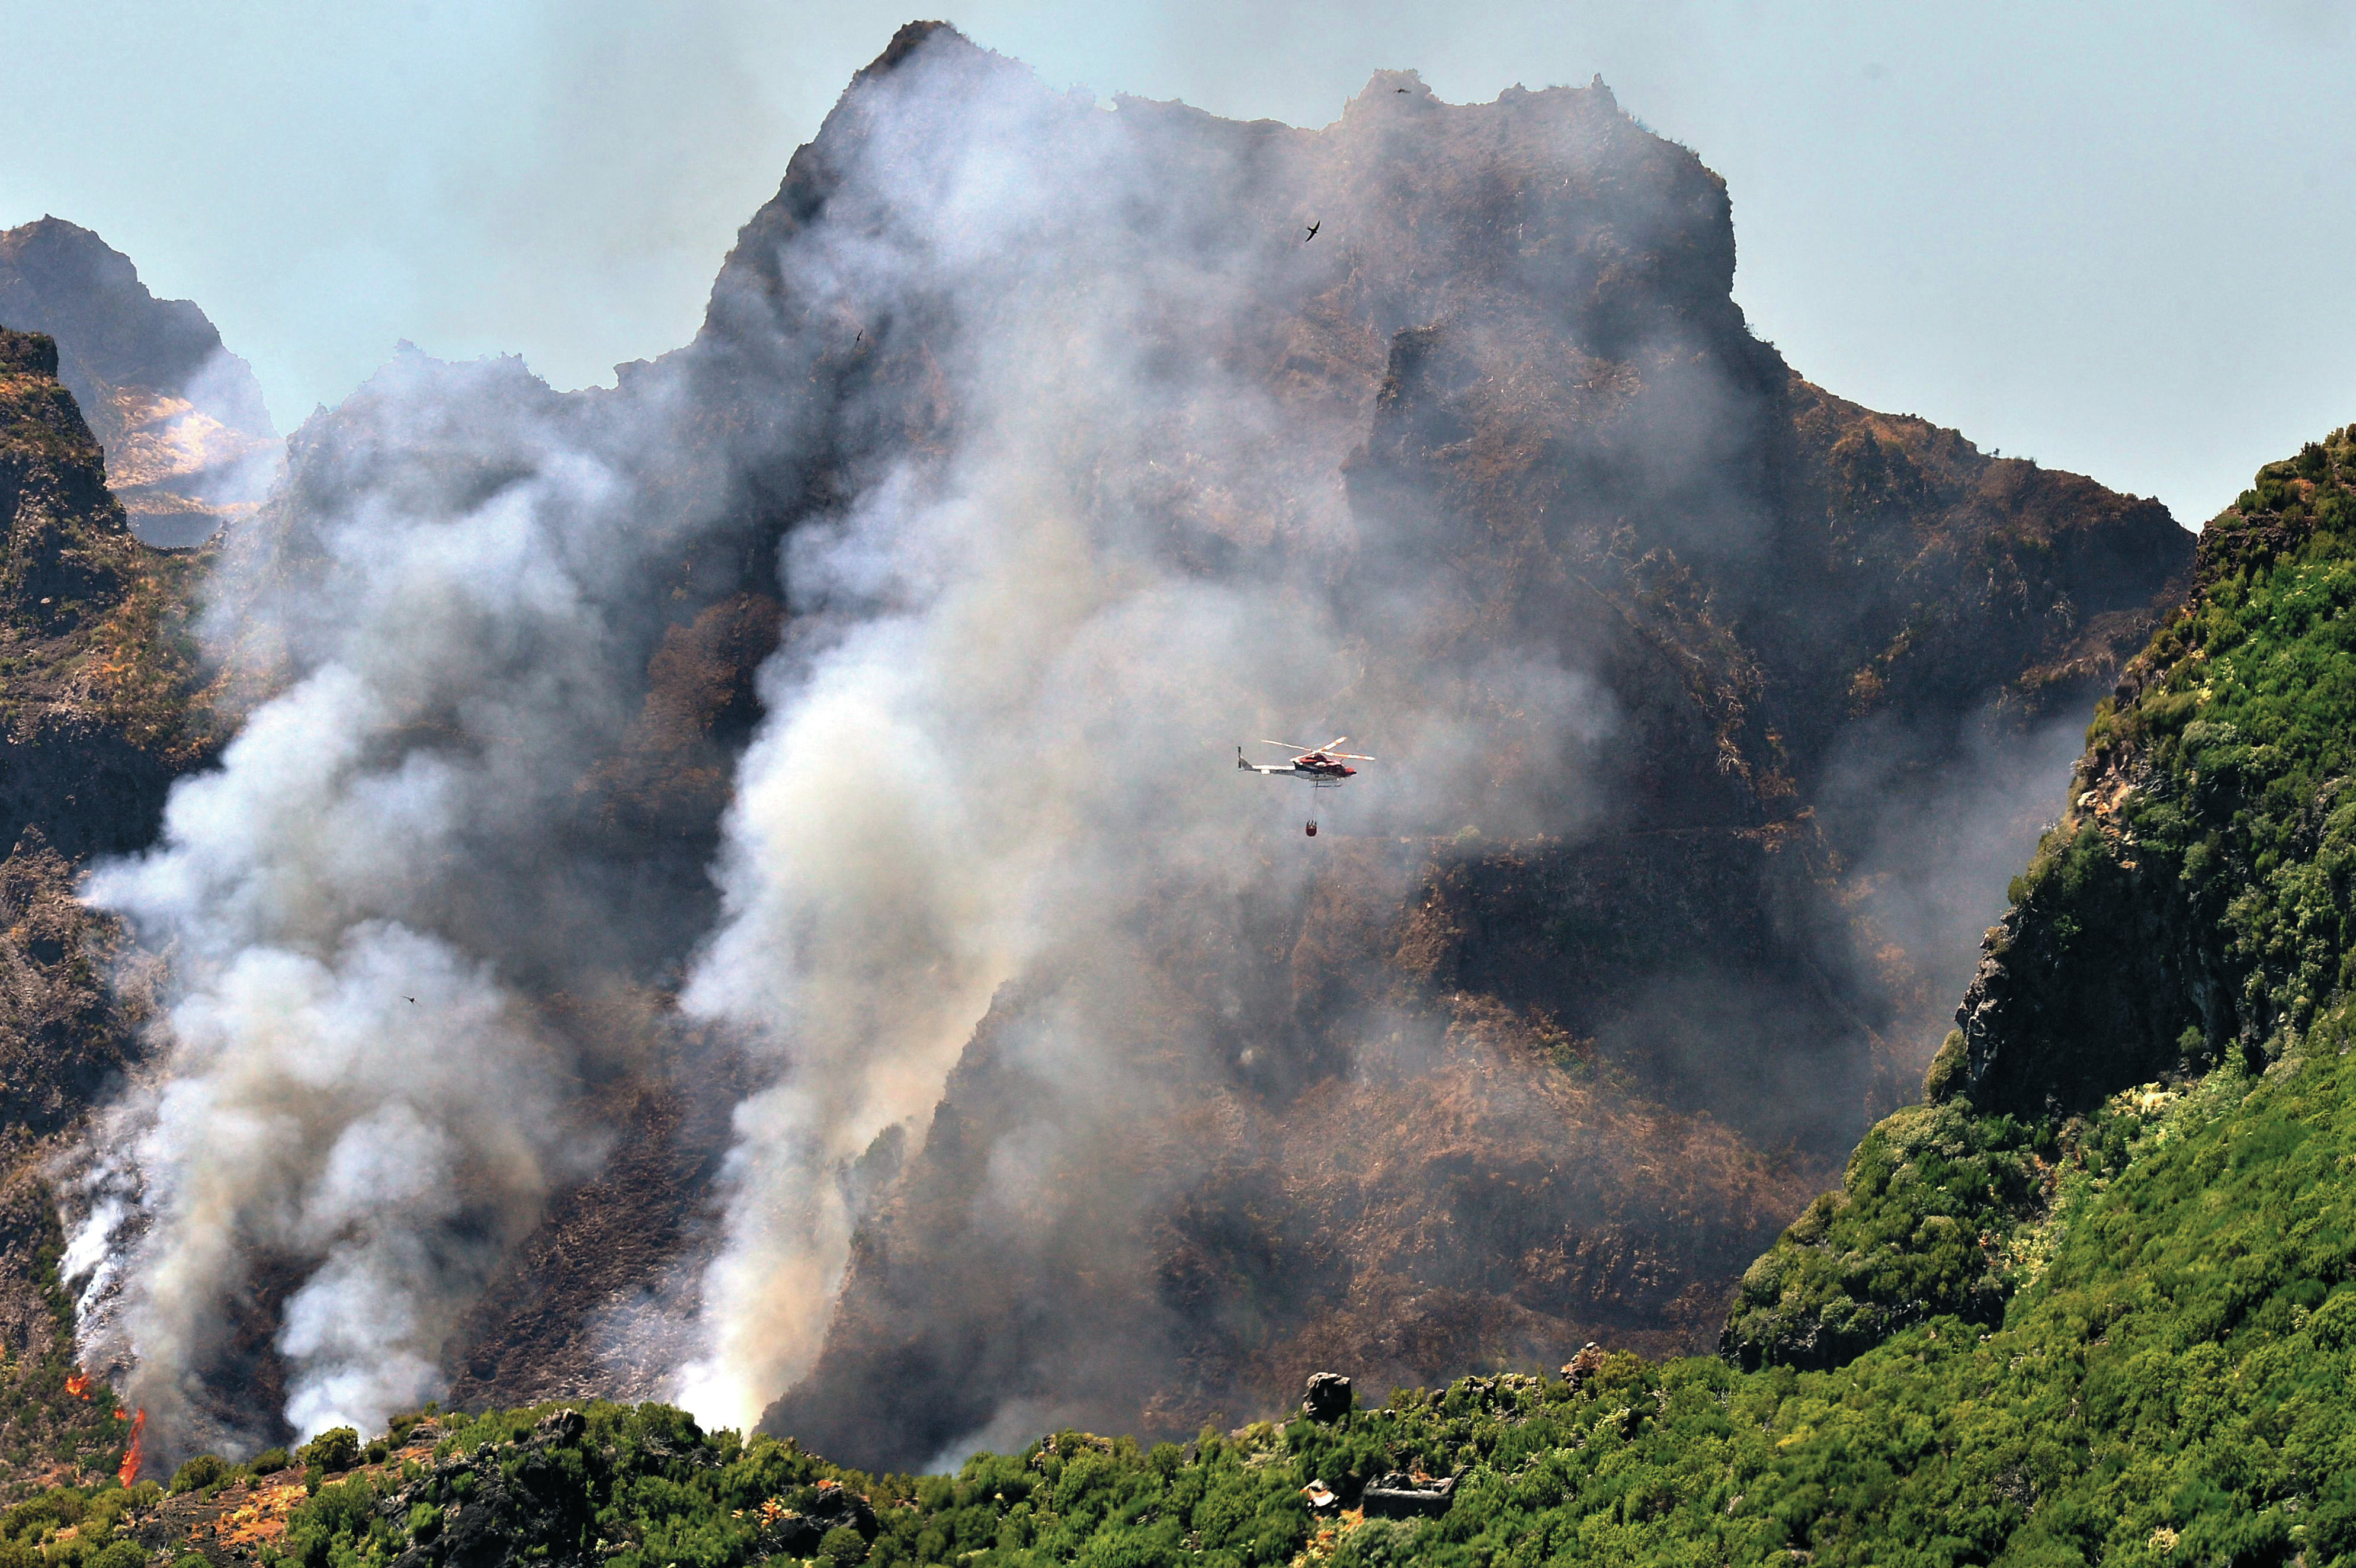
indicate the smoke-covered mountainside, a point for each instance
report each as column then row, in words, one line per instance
column 2094, row 1302
column 98, row 713
column 188, row 443
column 736, row 888
column 1750, row 677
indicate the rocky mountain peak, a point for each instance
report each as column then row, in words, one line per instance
column 188, row 439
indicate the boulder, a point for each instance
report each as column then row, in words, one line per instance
column 795, row 1535
column 1398, row 1494
column 1328, row 1397
column 1583, row 1366
column 564, row 1426
column 839, row 1505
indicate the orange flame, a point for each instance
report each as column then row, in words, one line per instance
column 78, row 1385
column 128, row 1472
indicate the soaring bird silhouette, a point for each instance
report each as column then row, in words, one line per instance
column 1313, row 232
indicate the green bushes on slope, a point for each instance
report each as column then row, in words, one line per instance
column 73, row 1527
column 1902, row 1242
column 2175, row 1385
column 2196, row 904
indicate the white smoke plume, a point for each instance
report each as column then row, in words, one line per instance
column 1011, row 722
column 347, row 1096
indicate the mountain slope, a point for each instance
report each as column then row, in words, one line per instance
column 2185, row 912
column 2165, row 1378
column 97, row 714
column 1635, row 983
column 187, row 441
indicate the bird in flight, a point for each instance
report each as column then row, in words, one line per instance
column 1313, row 232
column 411, row 1001
column 1398, row 90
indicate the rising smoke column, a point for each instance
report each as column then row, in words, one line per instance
column 351, row 1110
column 950, row 779
column 1007, row 724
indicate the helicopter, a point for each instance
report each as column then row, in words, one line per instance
column 1325, row 767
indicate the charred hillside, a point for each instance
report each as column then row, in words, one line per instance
column 100, row 672
column 783, row 847
column 97, row 714
column 2152, row 1362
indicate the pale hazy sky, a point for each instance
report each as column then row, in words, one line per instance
column 2113, row 237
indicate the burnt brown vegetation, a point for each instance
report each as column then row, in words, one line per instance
column 2094, row 1302
column 97, row 712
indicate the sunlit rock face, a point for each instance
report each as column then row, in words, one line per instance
column 188, row 443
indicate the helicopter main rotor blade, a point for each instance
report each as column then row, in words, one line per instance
column 1289, row 746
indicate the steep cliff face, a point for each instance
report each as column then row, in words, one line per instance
column 98, row 665
column 99, row 716
column 2196, row 879
column 188, row 443
column 98, row 713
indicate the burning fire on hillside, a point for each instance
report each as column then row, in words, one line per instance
column 128, row 1471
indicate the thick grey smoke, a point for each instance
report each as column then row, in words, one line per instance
column 1011, row 724
column 1935, row 852
column 352, row 1110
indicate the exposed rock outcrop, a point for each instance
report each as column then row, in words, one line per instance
column 1328, row 1397
column 189, row 443
column 98, row 675
column 1397, row 1494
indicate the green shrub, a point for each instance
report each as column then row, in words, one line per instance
column 335, row 1514
column 1945, row 1074
column 199, row 1472
column 334, row 1450
column 56, row 1508
column 269, row 1462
